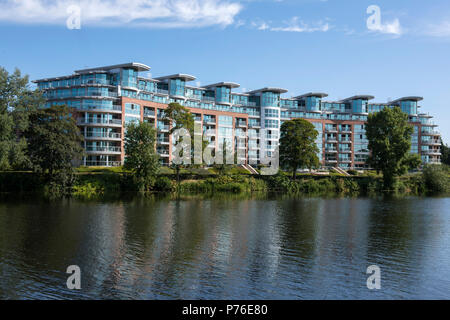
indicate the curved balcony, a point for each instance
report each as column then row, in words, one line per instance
column 432, row 152
column 103, row 150
column 100, row 122
column 103, row 136
column 433, row 142
column 103, row 163
column 114, row 109
column 431, row 133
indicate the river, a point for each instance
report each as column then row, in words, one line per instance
column 226, row 248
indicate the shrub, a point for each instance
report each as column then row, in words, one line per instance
column 435, row 179
column 340, row 185
column 88, row 190
column 163, row 184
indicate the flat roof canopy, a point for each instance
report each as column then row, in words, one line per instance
column 133, row 65
column 185, row 77
column 362, row 96
column 412, row 98
column 224, row 84
column 269, row 89
column 312, row 94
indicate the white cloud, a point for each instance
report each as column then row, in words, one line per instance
column 145, row 13
column 392, row 27
column 294, row 25
column 263, row 26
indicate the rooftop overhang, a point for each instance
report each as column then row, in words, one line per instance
column 269, row 89
column 185, row 77
column 362, row 97
column 194, row 87
column 312, row 94
column 224, row 84
column 412, row 98
column 132, row 65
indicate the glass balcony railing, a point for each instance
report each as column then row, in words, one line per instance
column 162, row 151
column 162, row 91
column 208, row 99
column 102, row 149
column 430, row 132
column 93, row 163
column 432, row 141
column 163, row 128
column 99, row 121
column 149, row 113
column 103, row 135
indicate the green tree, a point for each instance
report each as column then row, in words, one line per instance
column 141, row 157
column 224, row 168
column 180, row 118
column 389, row 135
column 298, row 148
column 445, row 150
column 17, row 101
column 54, row 145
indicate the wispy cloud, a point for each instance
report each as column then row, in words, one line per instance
column 438, row 30
column 145, row 13
column 294, row 25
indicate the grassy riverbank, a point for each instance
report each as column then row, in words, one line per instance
column 93, row 182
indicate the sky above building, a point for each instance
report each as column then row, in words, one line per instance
column 388, row 49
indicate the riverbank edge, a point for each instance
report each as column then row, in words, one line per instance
column 92, row 184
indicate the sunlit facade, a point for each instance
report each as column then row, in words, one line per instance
column 107, row 98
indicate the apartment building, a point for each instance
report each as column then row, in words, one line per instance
column 107, row 98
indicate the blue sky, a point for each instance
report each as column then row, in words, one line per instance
column 300, row 45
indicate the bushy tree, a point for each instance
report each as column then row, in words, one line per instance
column 17, row 101
column 298, row 147
column 54, row 144
column 141, row 157
column 389, row 135
column 180, row 118
column 445, row 150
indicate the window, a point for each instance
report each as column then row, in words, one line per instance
column 271, row 113
column 226, row 121
column 129, row 78
column 223, row 94
column 177, row 87
column 131, row 108
column 271, row 124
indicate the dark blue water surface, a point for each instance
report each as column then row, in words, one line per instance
column 270, row 248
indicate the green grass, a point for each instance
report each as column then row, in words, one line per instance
column 86, row 170
column 166, row 170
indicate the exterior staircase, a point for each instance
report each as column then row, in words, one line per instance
column 339, row 170
column 249, row 168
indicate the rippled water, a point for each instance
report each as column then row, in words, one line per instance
column 226, row 249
